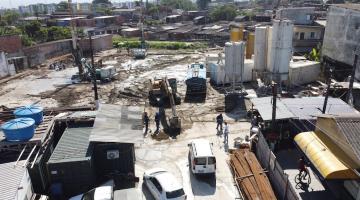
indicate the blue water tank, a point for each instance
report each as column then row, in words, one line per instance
column 19, row 129
column 32, row 111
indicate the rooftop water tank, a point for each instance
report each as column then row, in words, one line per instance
column 32, row 111
column 19, row 129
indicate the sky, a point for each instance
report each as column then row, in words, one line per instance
column 16, row 3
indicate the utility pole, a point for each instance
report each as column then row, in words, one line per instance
column 93, row 72
column 273, row 117
column 328, row 82
column 349, row 98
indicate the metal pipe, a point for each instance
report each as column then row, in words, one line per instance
column 93, row 72
column 327, row 91
column 27, row 159
column 349, row 98
column 36, row 156
column 273, row 118
column 20, row 155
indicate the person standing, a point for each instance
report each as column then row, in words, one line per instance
column 219, row 121
column 226, row 132
column 157, row 122
column 146, row 122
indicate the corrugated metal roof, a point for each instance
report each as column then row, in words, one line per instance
column 311, row 107
column 300, row 108
column 10, row 179
column 116, row 123
column 350, row 128
column 73, row 145
column 264, row 106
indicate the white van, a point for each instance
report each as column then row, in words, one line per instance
column 202, row 159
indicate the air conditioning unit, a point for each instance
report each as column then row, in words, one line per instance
column 112, row 154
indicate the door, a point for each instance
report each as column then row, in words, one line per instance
column 302, row 36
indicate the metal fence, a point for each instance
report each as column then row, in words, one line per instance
column 279, row 180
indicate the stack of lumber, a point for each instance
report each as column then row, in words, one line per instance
column 250, row 177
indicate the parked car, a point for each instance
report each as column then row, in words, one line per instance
column 163, row 185
column 201, row 157
column 103, row 192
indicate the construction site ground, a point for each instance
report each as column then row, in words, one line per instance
column 50, row 88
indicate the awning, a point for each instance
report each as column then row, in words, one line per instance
column 328, row 164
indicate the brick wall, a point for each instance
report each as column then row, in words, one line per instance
column 10, row 43
column 99, row 43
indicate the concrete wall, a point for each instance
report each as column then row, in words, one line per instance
column 10, row 43
column 5, row 68
column 40, row 53
column 302, row 15
column 303, row 72
column 99, row 43
column 342, row 35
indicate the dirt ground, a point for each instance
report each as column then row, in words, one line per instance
column 50, row 88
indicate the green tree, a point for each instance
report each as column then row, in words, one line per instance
column 225, row 12
column 101, row 2
column 62, row 6
column 32, row 28
column 58, row 33
column 202, row 4
column 179, row 4
column 10, row 17
column 26, row 40
column 6, row 30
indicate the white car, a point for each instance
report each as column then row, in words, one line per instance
column 163, row 185
column 103, row 192
column 202, row 158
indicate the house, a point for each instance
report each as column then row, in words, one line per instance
column 334, row 152
column 307, row 37
column 103, row 21
column 342, row 37
column 307, row 33
column 173, row 18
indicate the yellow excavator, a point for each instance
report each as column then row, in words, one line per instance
column 162, row 94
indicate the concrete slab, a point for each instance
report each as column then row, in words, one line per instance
column 288, row 160
column 173, row 155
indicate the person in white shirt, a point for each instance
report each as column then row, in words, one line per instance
column 226, row 132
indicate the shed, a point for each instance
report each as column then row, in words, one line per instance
column 116, row 129
column 70, row 166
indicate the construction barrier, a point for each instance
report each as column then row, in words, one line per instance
column 279, row 180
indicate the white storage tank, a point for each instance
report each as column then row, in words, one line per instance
column 229, row 60
column 239, row 57
column 260, row 51
column 280, row 49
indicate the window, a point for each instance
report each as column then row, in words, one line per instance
column 175, row 194
column 302, row 36
column 312, row 35
column 200, row 161
column 211, row 160
column 89, row 195
column 157, row 184
column 296, row 35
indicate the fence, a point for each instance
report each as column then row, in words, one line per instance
column 279, row 180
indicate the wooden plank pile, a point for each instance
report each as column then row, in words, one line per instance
column 251, row 179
